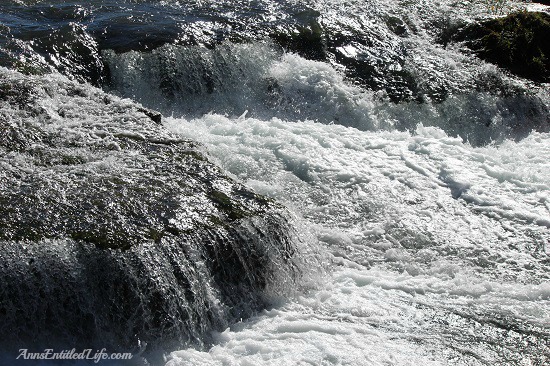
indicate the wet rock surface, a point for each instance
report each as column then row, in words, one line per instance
column 115, row 232
column 517, row 42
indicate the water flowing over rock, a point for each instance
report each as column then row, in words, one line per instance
column 398, row 200
column 115, row 233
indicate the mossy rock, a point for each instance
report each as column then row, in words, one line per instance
column 115, row 232
column 157, row 184
column 517, row 42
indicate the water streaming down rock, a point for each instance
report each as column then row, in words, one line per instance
column 366, row 118
column 404, row 53
column 118, row 234
column 231, row 79
column 372, row 66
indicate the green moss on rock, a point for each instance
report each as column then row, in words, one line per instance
column 231, row 209
column 104, row 174
column 518, row 42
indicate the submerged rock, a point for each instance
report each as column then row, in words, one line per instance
column 517, row 42
column 115, row 233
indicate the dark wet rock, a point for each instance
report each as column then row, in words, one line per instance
column 397, row 25
column 115, row 233
column 352, row 46
column 79, row 48
column 517, row 42
column 154, row 115
column 307, row 38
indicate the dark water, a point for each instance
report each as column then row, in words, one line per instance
column 71, row 35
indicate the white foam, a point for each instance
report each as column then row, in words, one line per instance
column 415, row 218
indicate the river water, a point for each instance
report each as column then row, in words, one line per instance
column 418, row 175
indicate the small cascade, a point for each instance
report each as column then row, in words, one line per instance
column 116, row 233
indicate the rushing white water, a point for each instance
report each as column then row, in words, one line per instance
column 412, row 165
column 438, row 249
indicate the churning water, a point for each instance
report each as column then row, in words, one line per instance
column 418, row 174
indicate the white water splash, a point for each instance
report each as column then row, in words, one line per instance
column 432, row 242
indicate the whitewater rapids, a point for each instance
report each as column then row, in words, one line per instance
column 417, row 173
column 439, row 249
